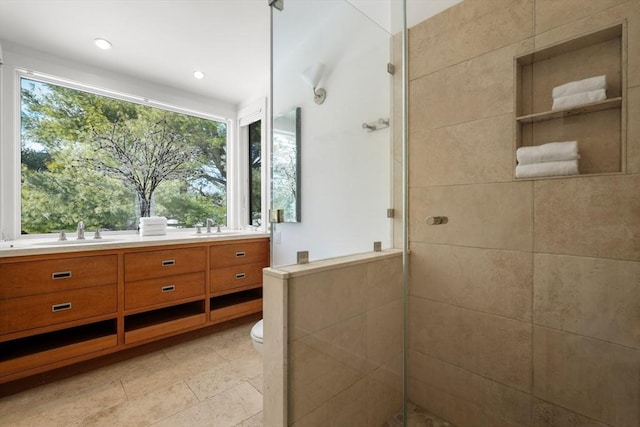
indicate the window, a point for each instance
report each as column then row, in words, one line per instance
column 255, row 174
column 108, row 162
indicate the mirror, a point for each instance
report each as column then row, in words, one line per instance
column 285, row 183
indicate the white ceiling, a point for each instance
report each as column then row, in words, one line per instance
column 164, row 41
column 160, row 41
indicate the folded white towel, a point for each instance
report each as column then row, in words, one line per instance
column 577, row 99
column 550, row 152
column 153, row 227
column 153, row 220
column 152, row 232
column 579, row 86
column 566, row 167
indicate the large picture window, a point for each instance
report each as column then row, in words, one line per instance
column 107, row 162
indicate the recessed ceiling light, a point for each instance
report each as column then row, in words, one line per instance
column 198, row 75
column 102, row 43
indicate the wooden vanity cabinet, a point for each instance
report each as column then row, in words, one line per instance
column 235, row 279
column 57, row 310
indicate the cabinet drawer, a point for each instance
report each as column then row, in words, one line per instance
column 162, row 290
column 24, row 313
column 237, row 276
column 221, row 314
column 239, row 253
column 38, row 277
column 145, row 265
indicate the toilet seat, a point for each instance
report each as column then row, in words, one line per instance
column 256, row 332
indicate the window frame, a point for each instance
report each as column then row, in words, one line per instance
column 10, row 137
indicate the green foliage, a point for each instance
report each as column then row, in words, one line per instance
column 70, row 174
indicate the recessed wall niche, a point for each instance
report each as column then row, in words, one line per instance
column 599, row 127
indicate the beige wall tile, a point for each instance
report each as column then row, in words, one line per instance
column 546, row 414
column 588, row 216
column 489, row 215
column 590, row 21
column 495, row 347
column 383, row 401
column 554, row 13
column 320, row 300
column 384, row 282
column 493, row 281
column 465, row 398
column 384, row 333
column 588, row 296
column 480, row 151
column 633, row 130
column 434, row 46
column 478, row 88
column 588, row 376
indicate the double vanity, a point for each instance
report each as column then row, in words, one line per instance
column 62, row 303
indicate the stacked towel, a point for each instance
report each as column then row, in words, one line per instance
column 552, row 159
column 153, row 226
column 579, row 92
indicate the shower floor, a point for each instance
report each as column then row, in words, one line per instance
column 417, row 417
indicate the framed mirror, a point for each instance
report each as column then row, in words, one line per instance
column 285, row 161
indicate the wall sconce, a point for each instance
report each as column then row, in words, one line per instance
column 312, row 76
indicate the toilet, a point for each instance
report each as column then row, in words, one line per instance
column 256, row 336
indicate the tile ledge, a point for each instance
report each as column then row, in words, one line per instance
column 298, row 270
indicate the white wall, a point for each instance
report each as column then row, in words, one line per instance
column 18, row 57
column 345, row 170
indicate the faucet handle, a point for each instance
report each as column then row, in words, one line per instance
column 62, row 236
column 97, row 234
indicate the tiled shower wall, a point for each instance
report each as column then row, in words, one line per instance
column 344, row 323
column 525, row 307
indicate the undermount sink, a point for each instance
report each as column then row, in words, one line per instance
column 74, row 242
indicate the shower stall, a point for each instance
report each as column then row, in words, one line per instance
column 420, row 282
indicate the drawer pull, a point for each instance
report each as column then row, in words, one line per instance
column 240, row 254
column 61, row 275
column 61, row 307
column 169, row 288
column 240, row 276
column 168, row 262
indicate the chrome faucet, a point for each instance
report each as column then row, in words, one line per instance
column 210, row 224
column 80, row 231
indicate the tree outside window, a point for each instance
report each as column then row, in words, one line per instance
column 108, row 162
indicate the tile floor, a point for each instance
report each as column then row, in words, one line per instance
column 215, row 380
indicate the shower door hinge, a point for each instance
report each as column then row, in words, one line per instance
column 279, row 4
column 391, row 213
column 391, row 69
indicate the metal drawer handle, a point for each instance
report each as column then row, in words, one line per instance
column 168, row 262
column 61, row 275
column 61, row 307
column 169, row 288
column 240, row 276
column 240, row 254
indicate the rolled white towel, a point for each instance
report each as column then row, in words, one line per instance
column 153, row 220
column 578, row 99
column 566, row 167
column 579, row 86
column 550, row 152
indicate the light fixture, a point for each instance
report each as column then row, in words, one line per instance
column 103, row 44
column 312, row 76
column 198, row 75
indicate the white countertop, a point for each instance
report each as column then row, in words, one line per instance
column 49, row 244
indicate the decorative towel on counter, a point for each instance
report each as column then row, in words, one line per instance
column 578, row 99
column 566, row 167
column 550, row 152
column 153, row 220
column 579, row 86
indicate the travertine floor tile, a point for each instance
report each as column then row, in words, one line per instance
column 145, row 410
column 223, row 410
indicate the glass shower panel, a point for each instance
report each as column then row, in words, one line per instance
column 343, row 164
